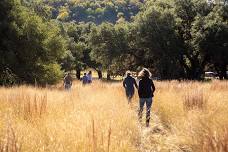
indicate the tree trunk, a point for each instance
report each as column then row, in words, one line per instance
column 220, row 75
column 99, row 74
column 195, row 71
column 108, row 76
column 223, row 72
column 78, row 74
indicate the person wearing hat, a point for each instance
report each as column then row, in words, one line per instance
column 129, row 83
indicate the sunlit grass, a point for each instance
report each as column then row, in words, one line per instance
column 187, row 116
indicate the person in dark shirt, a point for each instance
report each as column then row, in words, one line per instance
column 129, row 83
column 85, row 79
column 145, row 91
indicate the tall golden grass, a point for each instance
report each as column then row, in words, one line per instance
column 187, row 116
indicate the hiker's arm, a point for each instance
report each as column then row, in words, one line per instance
column 139, row 87
column 71, row 81
column 152, row 85
column 135, row 84
column 124, row 83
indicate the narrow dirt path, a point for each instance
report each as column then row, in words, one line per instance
column 157, row 138
column 150, row 135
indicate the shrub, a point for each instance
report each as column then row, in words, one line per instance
column 50, row 74
column 7, row 77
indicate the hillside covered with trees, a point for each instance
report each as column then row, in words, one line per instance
column 176, row 39
column 96, row 11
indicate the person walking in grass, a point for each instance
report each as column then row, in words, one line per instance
column 146, row 92
column 84, row 79
column 129, row 83
column 89, row 76
column 68, row 81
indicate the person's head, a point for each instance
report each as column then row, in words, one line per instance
column 144, row 73
column 67, row 74
column 90, row 72
column 128, row 73
column 84, row 74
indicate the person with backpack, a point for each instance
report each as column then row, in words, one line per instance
column 129, row 83
column 68, row 81
column 146, row 93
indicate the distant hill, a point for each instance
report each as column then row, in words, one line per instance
column 96, row 11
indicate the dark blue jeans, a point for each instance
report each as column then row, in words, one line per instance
column 148, row 102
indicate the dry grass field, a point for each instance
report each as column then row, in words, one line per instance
column 186, row 117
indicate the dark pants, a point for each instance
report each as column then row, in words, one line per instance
column 129, row 94
column 67, row 86
column 148, row 102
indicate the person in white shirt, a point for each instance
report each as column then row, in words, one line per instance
column 89, row 76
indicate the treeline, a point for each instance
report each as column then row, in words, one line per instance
column 176, row 39
column 31, row 48
column 96, row 11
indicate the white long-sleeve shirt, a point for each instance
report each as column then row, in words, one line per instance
column 89, row 76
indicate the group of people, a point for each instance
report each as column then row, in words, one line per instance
column 86, row 79
column 145, row 89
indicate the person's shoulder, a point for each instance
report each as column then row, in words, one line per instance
column 132, row 78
